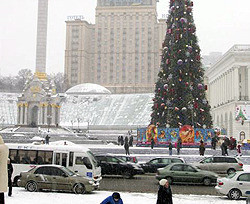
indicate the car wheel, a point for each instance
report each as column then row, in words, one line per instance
column 207, row 181
column 15, row 181
column 234, row 194
column 170, row 180
column 230, row 171
column 31, row 186
column 79, row 188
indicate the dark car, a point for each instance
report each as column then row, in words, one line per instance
column 186, row 173
column 152, row 165
column 55, row 177
column 132, row 159
column 112, row 165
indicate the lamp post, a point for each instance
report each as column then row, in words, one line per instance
column 78, row 121
column 72, row 123
column 49, row 117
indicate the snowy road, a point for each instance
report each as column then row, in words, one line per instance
column 24, row 197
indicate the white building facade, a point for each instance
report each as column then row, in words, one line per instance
column 228, row 91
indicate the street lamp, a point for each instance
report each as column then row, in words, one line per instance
column 49, row 117
column 78, row 120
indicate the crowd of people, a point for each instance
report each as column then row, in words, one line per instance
column 126, row 142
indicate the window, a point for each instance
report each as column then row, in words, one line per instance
column 155, row 161
column 176, row 161
column 44, row 157
column 189, row 168
column 165, row 161
column 176, row 168
column 208, row 160
column 71, row 158
column 244, row 177
column 220, row 160
column 84, row 161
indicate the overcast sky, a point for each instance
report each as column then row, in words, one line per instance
column 220, row 24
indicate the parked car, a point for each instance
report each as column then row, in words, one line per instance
column 55, row 177
column 132, row 159
column 152, row 165
column 220, row 164
column 235, row 185
column 186, row 173
column 112, row 165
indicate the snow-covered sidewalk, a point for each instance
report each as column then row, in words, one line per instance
column 20, row 195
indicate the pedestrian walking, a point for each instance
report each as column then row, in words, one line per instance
column 10, row 171
column 224, row 149
column 164, row 195
column 126, row 146
column 47, row 139
column 239, row 149
column 213, row 142
column 170, row 148
column 122, row 141
column 114, row 199
column 152, row 143
column 131, row 139
column 3, row 169
column 202, row 148
column 119, row 140
column 178, row 145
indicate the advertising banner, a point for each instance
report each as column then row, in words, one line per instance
column 162, row 136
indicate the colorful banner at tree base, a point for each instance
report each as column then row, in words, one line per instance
column 190, row 137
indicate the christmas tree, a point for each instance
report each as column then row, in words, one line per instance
column 180, row 91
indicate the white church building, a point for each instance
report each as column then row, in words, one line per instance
column 229, row 91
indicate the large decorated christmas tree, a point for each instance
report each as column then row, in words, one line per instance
column 180, row 97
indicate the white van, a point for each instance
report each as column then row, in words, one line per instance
column 75, row 157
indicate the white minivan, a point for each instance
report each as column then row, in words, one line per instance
column 75, row 157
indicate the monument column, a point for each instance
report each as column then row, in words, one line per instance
column 41, row 44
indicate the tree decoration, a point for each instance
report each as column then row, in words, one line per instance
column 180, row 97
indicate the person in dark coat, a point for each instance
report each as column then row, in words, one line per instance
column 122, row 141
column 114, row 199
column 47, row 139
column 10, row 171
column 131, row 141
column 224, row 149
column 170, row 147
column 164, row 193
column 202, row 148
column 126, row 146
column 178, row 145
column 119, row 140
column 152, row 143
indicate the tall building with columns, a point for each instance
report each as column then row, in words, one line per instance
column 121, row 51
column 38, row 104
column 229, row 91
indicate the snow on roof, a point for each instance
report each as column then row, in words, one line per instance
column 88, row 88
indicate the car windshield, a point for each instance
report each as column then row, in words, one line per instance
column 69, row 172
column 231, row 175
column 92, row 158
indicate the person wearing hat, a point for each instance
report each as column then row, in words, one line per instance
column 4, row 151
column 164, row 193
column 114, row 199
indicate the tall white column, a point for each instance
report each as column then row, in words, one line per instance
column 236, row 82
column 41, row 43
column 21, row 114
column 26, row 115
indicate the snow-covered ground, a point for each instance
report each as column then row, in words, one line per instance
column 22, row 196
